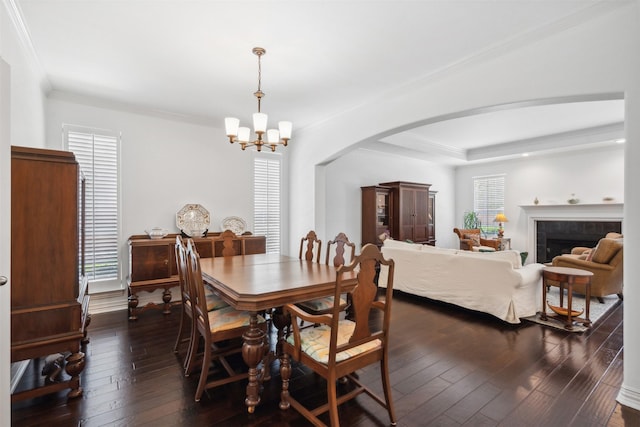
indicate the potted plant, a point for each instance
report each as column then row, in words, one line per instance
column 471, row 220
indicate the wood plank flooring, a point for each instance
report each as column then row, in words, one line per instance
column 449, row 367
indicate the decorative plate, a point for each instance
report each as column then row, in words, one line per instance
column 235, row 224
column 193, row 220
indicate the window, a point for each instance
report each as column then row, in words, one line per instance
column 488, row 200
column 266, row 195
column 97, row 153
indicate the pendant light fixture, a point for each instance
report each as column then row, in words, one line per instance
column 242, row 135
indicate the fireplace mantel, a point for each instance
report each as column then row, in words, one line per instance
column 577, row 212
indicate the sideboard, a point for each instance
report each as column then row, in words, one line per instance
column 152, row 264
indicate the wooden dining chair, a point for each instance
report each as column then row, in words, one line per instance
column 339, row 347
column 214, row 302
column 312, row 247
column 231, row 245
column 218, row 328
column 337, row 247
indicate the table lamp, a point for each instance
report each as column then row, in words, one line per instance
column 500, row 218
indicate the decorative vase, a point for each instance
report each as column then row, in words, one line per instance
column 573, row 200
column 536, row 201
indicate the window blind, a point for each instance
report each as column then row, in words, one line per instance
column 97, row 155
column 488, row 200
column 266, row 193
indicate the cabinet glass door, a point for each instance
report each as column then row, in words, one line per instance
column 382, row 210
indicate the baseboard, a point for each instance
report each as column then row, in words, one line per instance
column 629, row 397
column 104, row 302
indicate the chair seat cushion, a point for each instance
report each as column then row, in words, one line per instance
column 315, row 342
column 214, row 302
column 228, row 318
column 321, row 304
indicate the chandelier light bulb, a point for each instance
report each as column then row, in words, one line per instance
column 285, row 130
column 231, row 125
column 259, row 123
column 273, row 136
column 243, row 134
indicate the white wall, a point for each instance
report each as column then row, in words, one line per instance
column 165, row 164
column 591, row 175
column 27, row 83
column 21, row 123
column 359, row 168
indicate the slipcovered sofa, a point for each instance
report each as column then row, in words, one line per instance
column 491, row 282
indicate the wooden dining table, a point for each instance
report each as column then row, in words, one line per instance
column 261, row 282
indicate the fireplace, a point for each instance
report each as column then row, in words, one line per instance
column 555, row 237
column 581, row 224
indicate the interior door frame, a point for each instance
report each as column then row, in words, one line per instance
column 5, row 243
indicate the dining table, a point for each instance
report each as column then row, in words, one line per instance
column 262, row 282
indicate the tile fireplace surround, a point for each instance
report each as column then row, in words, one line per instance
column 584, row 224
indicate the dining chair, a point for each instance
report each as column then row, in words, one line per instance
column 336, row 247
column 339, row 347
column 218, row 328
column 214, row 302
column 311, row 245
column 230, row 243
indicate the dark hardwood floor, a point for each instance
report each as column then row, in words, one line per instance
column 449, row 367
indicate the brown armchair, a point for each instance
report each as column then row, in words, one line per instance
column 471, row 237
column 605, row 262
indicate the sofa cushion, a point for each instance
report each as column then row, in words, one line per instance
column 606, row 250
column 474, row 237
column 399, row 244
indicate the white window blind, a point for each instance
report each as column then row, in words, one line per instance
column 266, row 193
column 488, row 200
column 97, row 154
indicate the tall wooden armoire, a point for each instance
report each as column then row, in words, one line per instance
column 409, row 218
column 49, row 300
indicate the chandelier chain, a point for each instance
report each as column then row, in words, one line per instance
column 259, row 93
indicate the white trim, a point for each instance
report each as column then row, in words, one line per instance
column 16, row 17
column 629, row 396
column 564, row 212
column 108, row 301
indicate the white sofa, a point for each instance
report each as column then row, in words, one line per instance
column 491, row 282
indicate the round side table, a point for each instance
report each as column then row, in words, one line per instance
column 565, row 278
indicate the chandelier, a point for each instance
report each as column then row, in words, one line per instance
column 237, row 133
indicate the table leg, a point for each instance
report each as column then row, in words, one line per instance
column 252, row 352
column 543, row 312
column 569, row 325
column 587, row 303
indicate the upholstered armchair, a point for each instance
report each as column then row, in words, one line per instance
column 471, row 240
column 605, row 262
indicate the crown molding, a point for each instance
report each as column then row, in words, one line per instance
column 16, row 17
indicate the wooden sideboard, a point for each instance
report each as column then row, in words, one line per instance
column 49, row 300
column 152, row 264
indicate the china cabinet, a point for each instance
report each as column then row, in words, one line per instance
column 49, row 299
column 375, row 213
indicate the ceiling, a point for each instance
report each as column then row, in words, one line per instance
column 192, row 60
